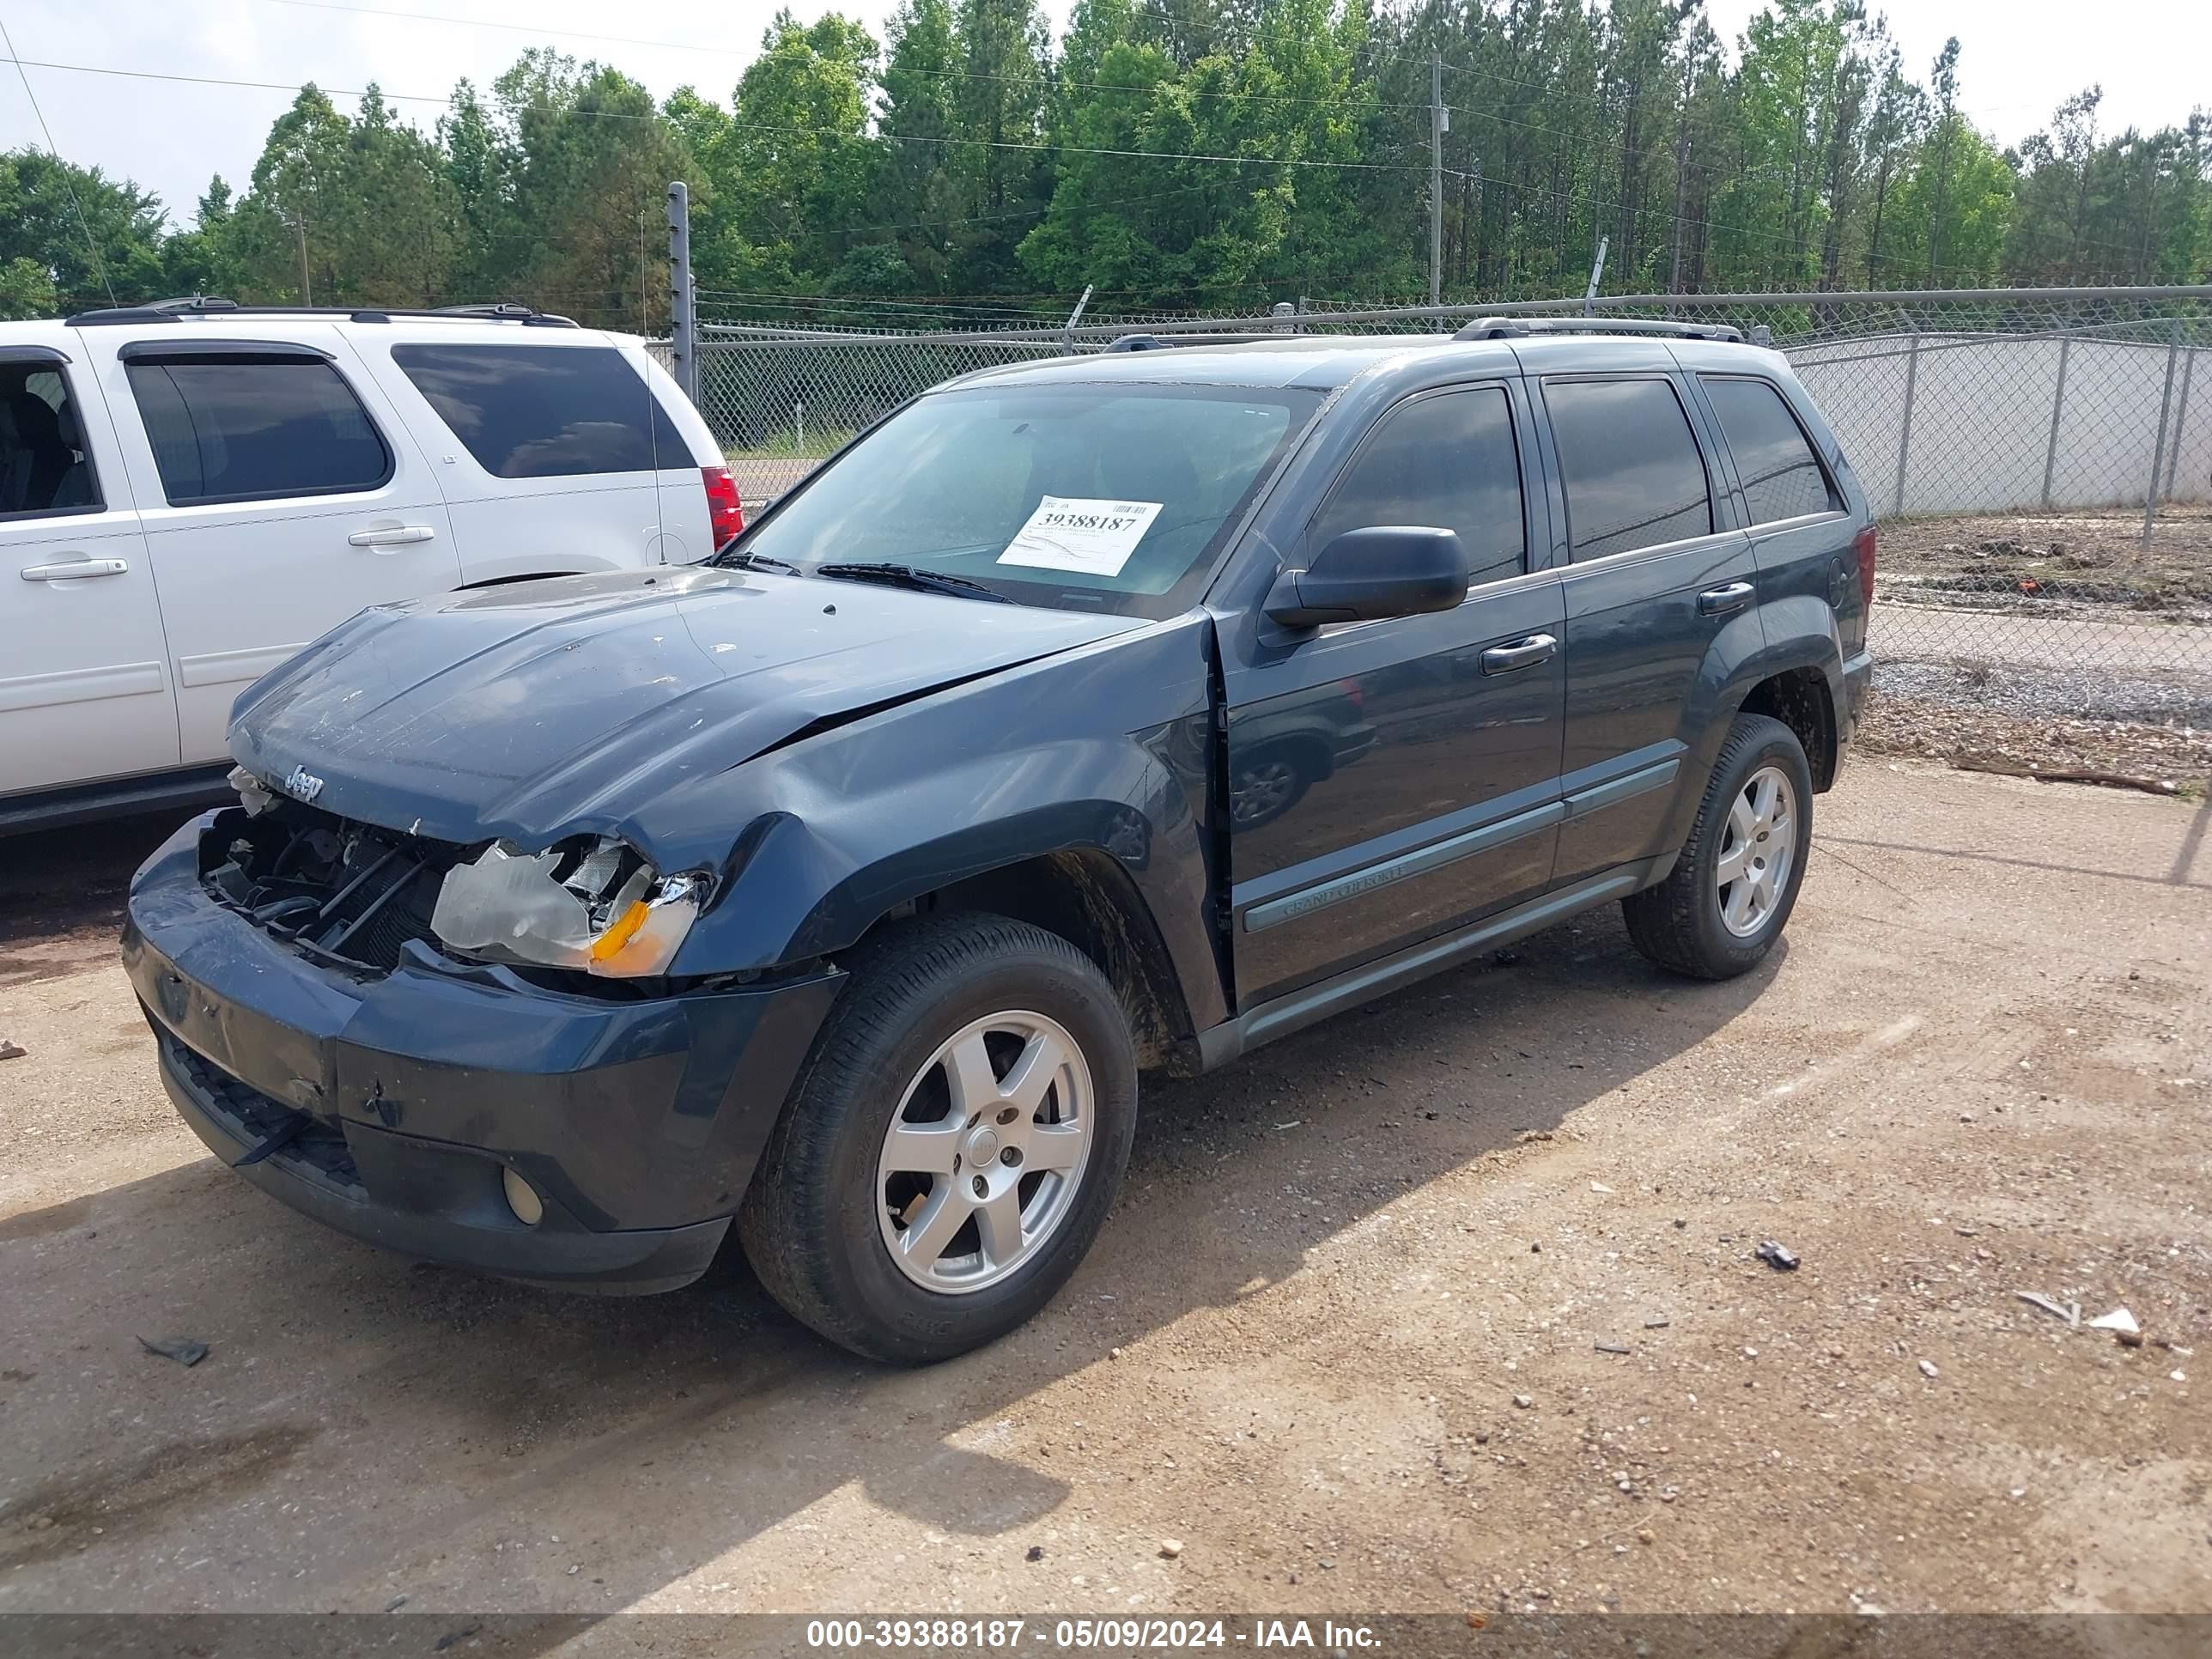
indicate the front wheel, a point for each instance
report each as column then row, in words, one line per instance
column 952, row 1147
column 1732, row 887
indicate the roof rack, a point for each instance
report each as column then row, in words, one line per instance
column 205, row 305
column 1162, row 342
column 1506, row 328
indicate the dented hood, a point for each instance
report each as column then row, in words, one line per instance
column 528, row 711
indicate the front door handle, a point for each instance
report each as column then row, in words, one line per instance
column 405, row 534
column 74, row 570
column 1719, row 601
column 1522, row 653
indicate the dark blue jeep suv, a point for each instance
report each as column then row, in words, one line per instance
column 1107, row 712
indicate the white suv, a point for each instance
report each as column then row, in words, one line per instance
column 191, row 491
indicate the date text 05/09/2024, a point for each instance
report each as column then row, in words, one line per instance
column 1110, row 1634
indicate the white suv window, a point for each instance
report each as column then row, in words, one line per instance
column 253, row 425
column 540, row 411
column 44, row 468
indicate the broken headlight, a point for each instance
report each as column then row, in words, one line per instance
column 594, row 906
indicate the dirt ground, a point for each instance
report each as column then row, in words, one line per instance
column 2082, row 562
column 1448, row 1304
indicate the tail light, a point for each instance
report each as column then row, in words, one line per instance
column 726, row 513
column 1862, row 544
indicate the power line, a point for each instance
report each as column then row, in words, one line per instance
column 91, row 244
column 740, row 123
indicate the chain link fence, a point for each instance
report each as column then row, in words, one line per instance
column 2041, row 460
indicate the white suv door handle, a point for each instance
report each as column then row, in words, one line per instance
column 74, row 570
column 399, row 536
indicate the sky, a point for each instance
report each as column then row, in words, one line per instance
column 2019, row 58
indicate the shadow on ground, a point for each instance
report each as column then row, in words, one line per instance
column 348, row 1381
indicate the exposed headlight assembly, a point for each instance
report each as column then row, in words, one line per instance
column 596, row 906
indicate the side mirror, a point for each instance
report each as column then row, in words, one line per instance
column 1365, row 576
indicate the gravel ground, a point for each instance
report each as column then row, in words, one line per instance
column 2131, row 726
column 1448, row 1304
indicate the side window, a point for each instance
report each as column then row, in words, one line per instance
column 540, row 411
column 1633, row 474
column 245, row 428
column 43, row 466
column 1782, row 476
column 1450, row 462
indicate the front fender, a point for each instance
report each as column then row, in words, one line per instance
column 1101, row 749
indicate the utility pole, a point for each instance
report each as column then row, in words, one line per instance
column 1439, row 124
column 306, row 293
column 1681, row 162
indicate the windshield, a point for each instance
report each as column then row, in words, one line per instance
column 1092, row 497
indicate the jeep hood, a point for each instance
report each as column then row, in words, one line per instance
column 532, row 711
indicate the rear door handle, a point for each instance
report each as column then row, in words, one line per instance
column 74, row 570
column 1719, row 601
column 403, row 535
column 1522, row 653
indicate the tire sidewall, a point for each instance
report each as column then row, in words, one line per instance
column 929, row 1323
column 1780, row 748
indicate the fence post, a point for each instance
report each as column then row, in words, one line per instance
column 2058, row 413
column 2180, row 421
column 683, row 310
column 1904, row 429
column 2158, row 450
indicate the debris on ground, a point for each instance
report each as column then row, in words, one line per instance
column 396, row 1602
column 2066, row 775
column 1170, row 1547
column 1611, row 1347
column 12, row 1050
column 1928, row 1369
column 1523, row 1400
column 1505, row 958
column 2123, row 1326
column 184, row 1350
column 1775, row 1257
column 1656, row 1324
column 1034, row 1553
column 2068, row 1311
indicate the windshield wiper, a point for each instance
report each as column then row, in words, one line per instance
column 921, row 581
column 753, row 561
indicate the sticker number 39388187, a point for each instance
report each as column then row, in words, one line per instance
column 1071, row 532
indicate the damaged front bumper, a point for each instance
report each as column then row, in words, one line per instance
column 392, row 1106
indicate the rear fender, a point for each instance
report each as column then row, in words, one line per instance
column 1794, row 633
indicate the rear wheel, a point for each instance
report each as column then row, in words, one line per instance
column 953, row 1144
column 1732, row 887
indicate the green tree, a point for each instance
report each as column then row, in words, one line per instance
column 53, row 215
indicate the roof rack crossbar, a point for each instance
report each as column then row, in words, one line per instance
column 1506, row 328
column 168, row 311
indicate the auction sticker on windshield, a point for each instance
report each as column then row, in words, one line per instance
column 1071, row 532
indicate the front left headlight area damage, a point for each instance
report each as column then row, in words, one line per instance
column 589, row 903
column 355, row 895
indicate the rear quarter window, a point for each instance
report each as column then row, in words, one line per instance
column 1782, row 477
column 541, row 411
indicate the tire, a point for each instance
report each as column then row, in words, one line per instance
column 827, row 1229
column 1687, row 922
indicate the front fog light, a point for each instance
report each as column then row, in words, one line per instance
column 522, row 1199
